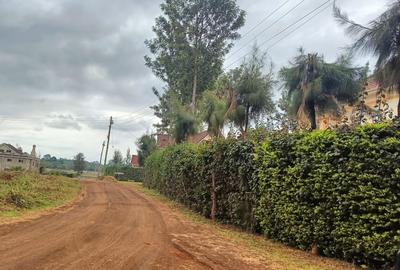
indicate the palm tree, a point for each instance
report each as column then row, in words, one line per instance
column 252, row 87
column 185, row 124
column 217, row 104
column 316, row 86
column 382, row 39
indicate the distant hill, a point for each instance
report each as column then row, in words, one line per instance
column 51, row 162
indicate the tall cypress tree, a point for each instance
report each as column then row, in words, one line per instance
column 192, row 38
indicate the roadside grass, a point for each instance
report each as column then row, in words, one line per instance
column 23, row 193
column 278, row 256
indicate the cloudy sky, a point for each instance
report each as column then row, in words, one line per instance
column 66, row 66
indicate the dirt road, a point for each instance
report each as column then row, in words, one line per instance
column 115, row 227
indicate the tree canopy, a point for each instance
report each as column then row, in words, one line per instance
column 381, row 38
column 79, row 163
column 146, row 145
column 252, row 83
column 317, row 86
column 117, row 158
column 192, row 38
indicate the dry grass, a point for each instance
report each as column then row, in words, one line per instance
column 22, row 193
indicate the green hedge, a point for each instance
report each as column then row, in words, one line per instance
column 125, row 172
column 184, row 173
column 338, row 190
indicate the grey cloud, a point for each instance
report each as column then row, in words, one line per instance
column 63, row 122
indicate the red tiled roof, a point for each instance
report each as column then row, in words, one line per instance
column 197, row 138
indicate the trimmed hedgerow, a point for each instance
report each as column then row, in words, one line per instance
column 176, row 172
column 337, row 191
column 232, row 163
column 184, row 173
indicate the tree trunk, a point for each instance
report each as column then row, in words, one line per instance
column 194, row 92
column 213, row 199
column 398, row 103
column 312, row 114
column 315, row 249
column 246, row 126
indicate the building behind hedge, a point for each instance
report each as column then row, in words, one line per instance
column 12, row 157
column 349, row 111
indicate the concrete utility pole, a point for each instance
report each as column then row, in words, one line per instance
column 101, row 157
column 108, row 140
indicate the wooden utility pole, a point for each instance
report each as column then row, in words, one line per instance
column 108, row 140
column 101, row 157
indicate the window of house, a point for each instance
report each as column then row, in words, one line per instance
column 8, row 151
column 9, row 160
column 20, row 161
column 1, row 151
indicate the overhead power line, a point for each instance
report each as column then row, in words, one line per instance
column 297, row 28
column 263, row 20
column 265, row 29
column 317, row 11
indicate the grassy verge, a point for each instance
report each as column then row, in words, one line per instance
column 22, row 193
column 278, row 255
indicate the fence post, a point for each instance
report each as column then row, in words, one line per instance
column 397, row 267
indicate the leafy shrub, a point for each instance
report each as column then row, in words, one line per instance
column 18, row 199
column 231, row 162
column 62, row 173
column 177, row 172
column 16, row 169
column 184, row 173
column 337, row 190
column 125, row 172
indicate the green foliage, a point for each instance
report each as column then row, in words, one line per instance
column 192, row 38
column 146, row 145
column 316, row 86
column 61, row 173
column 231, row 162
column 128, row 157
column 253, row 91
column 79, row 163
column 117, row 158
column 51, row 162
column 185, row 124
column 175, row 172
column 16, row 169
column 184, row 173
column 125, row 173
column 381, row 39
column 339, row 190
column 29, row 191
column 213, row 108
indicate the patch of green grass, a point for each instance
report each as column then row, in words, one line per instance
column 30, row 192
column 279, row 255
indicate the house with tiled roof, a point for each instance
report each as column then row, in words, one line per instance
column 199, row 137
column 372, row 89
column 13, row 157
